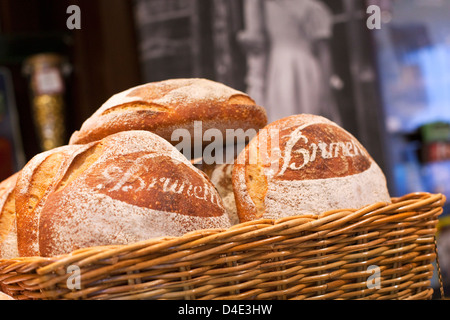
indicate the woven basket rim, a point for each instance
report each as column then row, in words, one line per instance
column 333, row 223
column 416, row 199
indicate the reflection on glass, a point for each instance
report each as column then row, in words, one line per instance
column 414, row 64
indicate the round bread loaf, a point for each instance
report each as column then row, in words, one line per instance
column 161, row 107
column 8, row 230
column 304, row 164
column 127, row 187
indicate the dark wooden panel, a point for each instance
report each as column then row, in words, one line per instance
column 102, row 53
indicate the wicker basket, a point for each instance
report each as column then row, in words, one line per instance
column 377, row 252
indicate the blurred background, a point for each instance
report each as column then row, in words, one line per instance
column 388, row 84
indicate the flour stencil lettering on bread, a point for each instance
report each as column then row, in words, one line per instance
column 127, row 187
column 317, row 166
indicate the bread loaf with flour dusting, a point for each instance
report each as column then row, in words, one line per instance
column 129, row 186
column 164, row 106
column 8, row 230
column 304, row 164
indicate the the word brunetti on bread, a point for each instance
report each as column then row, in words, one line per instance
column 8, row 230
column 127, row 187
column 304, row 164
column 166, row 106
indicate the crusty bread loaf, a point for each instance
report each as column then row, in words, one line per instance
column 129, row 186
column 8, row 230
column 161, row 107
column 304, row 164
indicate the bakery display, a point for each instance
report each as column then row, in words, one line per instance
column 8, row 231
column 304, row 164
column 196, row 115
column 127, row 187
column 122, row 206
column 164, row 106
column 123, row 158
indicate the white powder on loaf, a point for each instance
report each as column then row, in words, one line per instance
column 185, row 90
column 192, row 90
column 309, row 171
column 92, row 215
column 23, row 187
column 118, row 222
column 133, row 143
column 284, row 199
column 292, row 197
column 9, row 248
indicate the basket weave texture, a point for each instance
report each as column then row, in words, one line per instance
column 381, row 251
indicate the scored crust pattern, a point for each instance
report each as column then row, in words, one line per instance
column 161, row 107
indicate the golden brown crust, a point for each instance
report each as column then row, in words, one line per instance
column 35, row 182
column 304, row 164
column 127, row 187
column 249, row 187
column 8, row 231
column 161, row 107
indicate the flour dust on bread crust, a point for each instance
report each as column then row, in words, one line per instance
column 8, row 230
column 34, row 183
column 313, row 167
column 127, row 187
column 163, row 106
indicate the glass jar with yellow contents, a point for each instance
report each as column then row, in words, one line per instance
column 46, row 77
